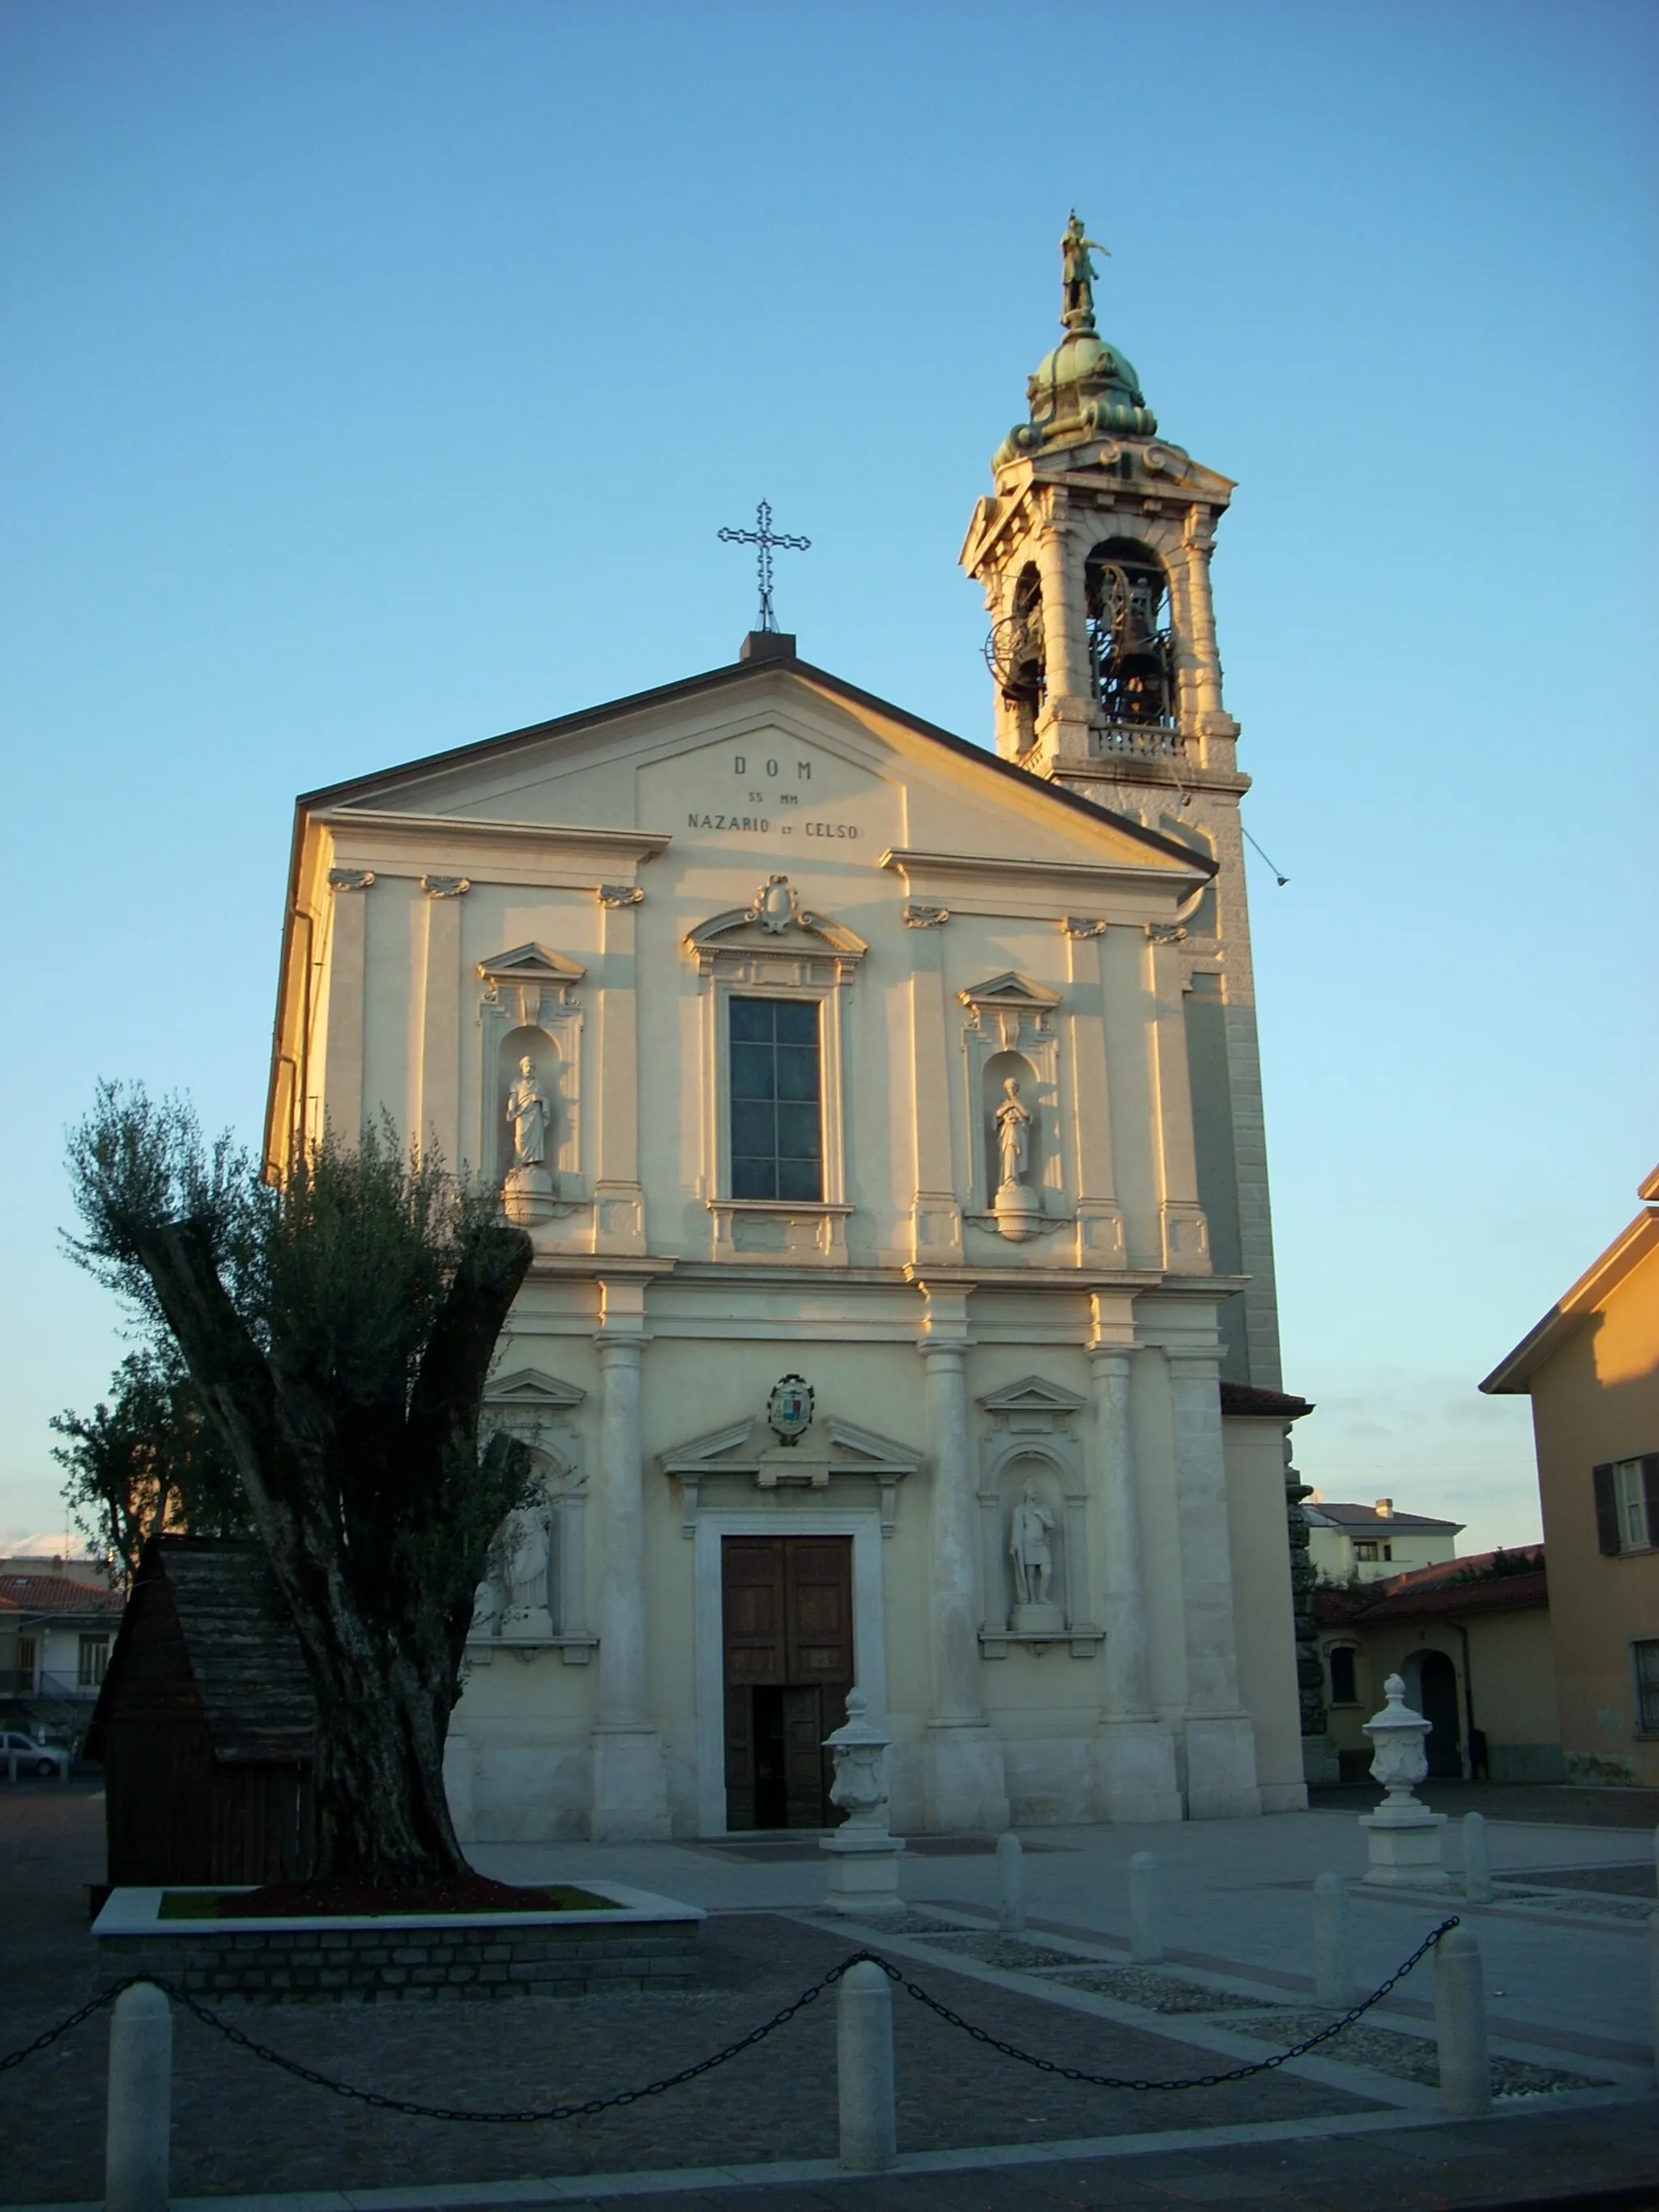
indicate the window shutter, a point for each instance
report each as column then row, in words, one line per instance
column 1607, row 1508
column 1651, row 1494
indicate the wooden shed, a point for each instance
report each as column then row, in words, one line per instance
column 205, row 1725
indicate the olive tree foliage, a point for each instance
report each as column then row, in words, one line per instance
column 148, row 1461
column 338, row 1330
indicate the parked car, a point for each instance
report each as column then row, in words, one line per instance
column 32, row 1756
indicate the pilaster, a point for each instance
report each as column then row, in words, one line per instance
column 1221, row 1775
column 618, row 1197
column 630, row 1781
column 1135, row 1754
column 963, row 1785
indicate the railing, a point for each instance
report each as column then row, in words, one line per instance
column 1139, row 740
column 37, row 1682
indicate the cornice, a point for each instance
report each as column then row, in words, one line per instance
column 408, row 831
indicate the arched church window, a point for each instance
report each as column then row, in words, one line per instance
column 1127, row 604
column 1015, row 653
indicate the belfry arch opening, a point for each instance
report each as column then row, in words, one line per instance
column 1016, row 652
column 1127, row 611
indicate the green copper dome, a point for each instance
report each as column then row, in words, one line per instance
column 1084, row 388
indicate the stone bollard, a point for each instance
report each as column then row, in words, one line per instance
column 1144, row 1947
column 863, row 2069
column 1332, row 1964
column 1460, row 2026
column 1477, row 1865
column 137, row 2138
column 1011, row 1884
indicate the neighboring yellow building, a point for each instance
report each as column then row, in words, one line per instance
column 1472, row 1638
column 1373, row 1543
column 1591, row 1368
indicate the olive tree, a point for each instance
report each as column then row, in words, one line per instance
column 337, row 1330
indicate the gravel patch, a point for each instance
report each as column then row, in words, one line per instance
column 1015, row 1954
column 1408, row 2058
column 1162, row 1993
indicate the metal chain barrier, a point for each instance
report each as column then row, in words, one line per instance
column 588, row 2107
column 1190, row 2081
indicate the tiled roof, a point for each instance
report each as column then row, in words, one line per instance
column 57, row 1594
column 1368, row 1519
column 1249, row 1398
column 255, row 1693
column 1452, row 1586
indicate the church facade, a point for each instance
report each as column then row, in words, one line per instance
column 886, row 1113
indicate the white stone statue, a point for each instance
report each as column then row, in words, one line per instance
column 1014, row 1124
column 528, row 1111
column 1029, row 1547
column 525, row 1551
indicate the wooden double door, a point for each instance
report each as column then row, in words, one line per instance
column 788, row 1609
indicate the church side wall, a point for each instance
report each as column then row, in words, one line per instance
column 1261, row 1584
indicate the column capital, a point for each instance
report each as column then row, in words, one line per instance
column 944, row 1318
column 1198, row 1361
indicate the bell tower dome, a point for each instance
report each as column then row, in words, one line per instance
column 1093, row 552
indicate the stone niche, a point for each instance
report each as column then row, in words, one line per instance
column 1033, row 1506
column 534, row 1596
column 532, row 1011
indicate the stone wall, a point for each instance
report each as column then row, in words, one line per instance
column 311, row 1964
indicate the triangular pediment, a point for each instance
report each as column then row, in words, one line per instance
column 740, row 1448
column 531, row 963
column 1009, row 989
column 533, row 1387
column 1033, row 1393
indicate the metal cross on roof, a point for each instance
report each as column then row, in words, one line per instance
column 764, row 538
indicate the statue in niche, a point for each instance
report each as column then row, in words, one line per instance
column 1014, row 1121
column 526, row 1551
column 528, row 1111
column 512, row 1600
column 1030, row 1549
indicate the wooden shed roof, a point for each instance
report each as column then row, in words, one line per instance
column 245, row 1671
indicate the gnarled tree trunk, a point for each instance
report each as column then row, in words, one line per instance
column 375, row 1521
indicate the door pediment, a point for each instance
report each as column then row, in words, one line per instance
column 832, row 1451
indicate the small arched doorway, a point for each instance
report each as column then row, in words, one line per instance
column 1435, row 1679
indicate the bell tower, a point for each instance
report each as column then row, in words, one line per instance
column 1093, row 552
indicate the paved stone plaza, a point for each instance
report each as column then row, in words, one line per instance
column 1566, row 1996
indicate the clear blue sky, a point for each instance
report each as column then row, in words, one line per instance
column 374, row 375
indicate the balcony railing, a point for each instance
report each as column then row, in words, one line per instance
column 1137, row 740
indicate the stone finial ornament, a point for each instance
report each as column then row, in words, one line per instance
column 1399, row 1761
column 859, row 1752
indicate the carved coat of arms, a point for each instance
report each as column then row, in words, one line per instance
column 789, row 1409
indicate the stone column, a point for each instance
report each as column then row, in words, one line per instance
column 1135, row 1761
column 631, row 1785
column 963, row 1785
column 1064, row 721
column 1198, row 543
column 1221, row 1780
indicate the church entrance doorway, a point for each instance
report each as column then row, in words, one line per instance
column 786, row 1606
